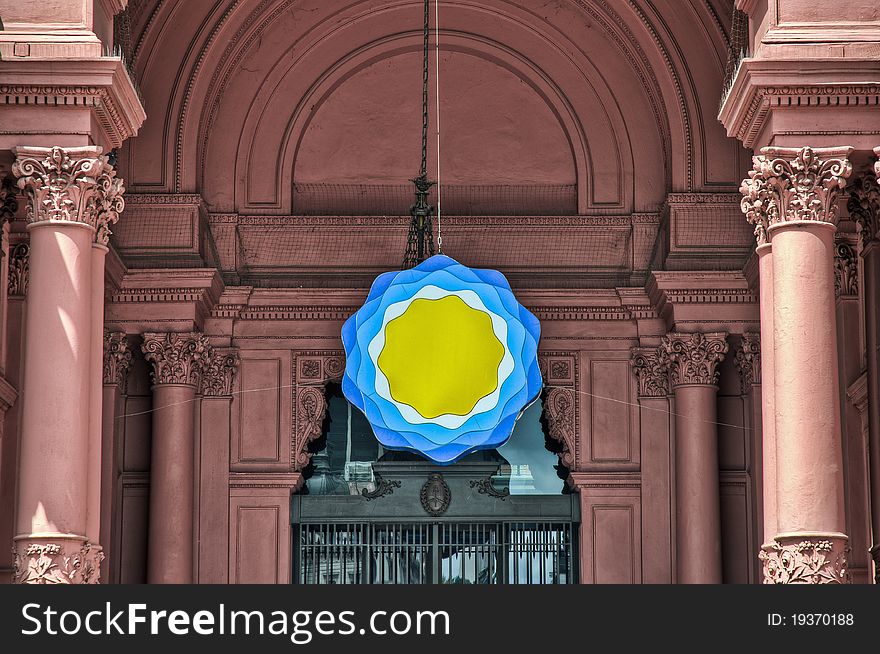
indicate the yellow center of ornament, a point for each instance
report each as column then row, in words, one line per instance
column 441, row 356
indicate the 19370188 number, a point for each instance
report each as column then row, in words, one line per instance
column 822, row 619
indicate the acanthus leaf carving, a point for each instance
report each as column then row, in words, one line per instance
column 748, row 361
column 649, row 366
column 693, row 358
column 805, row 561
column 109, row 204
column 863, row 206
column 70, row 185
column 8, row 199
column 117, row 358
column 787, row 184
column 19, row 269
column 218, row 373
column 176, row 358
column 56, row 563
column 846, row 270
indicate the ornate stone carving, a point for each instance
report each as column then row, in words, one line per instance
column 846, row 270
column 176, row 358
column 109, row 204
column 19, row 269
column 863, row 206
column 757, row 203
column 312, row 371
column 694, row 358
column 559, row 413
column 117, row 358
column 435, row 495
column 8, row 199
column 311, row 409
column 60, row 184
column 805, row 560
column 748, row 361
column 789, row 184
column 71, row 185
column 218, row 373
column 649, row 367
column 62, row 562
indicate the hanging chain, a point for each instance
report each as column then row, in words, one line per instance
column 420, row 241
column 423, row 171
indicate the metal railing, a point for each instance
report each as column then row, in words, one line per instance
column 470, row 552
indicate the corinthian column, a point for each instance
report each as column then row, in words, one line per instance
column 116, row 363
column 864, row 209
column 692, row 361
column 800, row 189
column 757, row 206
column 218, row 379
column 177, row 362
column 654, row 426
column 54, row 542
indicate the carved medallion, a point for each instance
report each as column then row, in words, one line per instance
column 435, row 495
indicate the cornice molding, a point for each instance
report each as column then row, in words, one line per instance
column 100, row 84
column 762, row 85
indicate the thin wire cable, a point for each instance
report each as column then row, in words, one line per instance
column 320, row 383
column 437, row 117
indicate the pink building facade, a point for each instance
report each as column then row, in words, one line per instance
column 195, row 196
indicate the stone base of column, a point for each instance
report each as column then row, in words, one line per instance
column 875, row 554
column 56, row 559
column 805, row 558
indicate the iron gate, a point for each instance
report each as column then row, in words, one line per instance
column 396, row 536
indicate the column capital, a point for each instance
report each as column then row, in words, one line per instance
column 864, row 206
column 649, row 366
column 218, row 373
column 846, row 270
column 8, row 199
column 794, row 184
column 748, row 360
column 19, row 269
column 176, row 358
column 73, row 185
column 693, row 358
column 117, row 358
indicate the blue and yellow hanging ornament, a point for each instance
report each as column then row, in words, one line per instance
column 442, row 359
